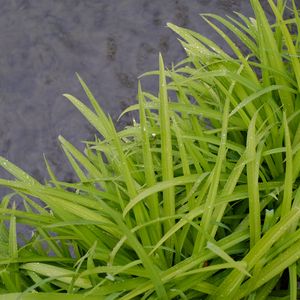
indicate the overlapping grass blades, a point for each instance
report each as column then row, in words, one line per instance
column 198, row 199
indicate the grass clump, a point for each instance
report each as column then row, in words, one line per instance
column 199, row 199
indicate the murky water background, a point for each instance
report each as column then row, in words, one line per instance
column 109, row 42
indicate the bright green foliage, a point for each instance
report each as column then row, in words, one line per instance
column 199, row 199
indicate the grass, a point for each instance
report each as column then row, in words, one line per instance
column 198, row 199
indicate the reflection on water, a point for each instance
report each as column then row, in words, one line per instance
column 109, row 42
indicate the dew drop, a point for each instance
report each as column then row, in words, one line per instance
column 110, row 277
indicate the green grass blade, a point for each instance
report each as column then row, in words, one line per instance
column 292, row 51
column 260, row 93
column 209, row 205
column 161, row 186
column 274, row 57
column 91, row 98
column 272, row 269
column 101, row 125
column 17, row 172
column 147, row 156
column 221, row 253
column 232, row 282
column 288, row 181
column 253, row 158
column 166, row 149
column 57, row 273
